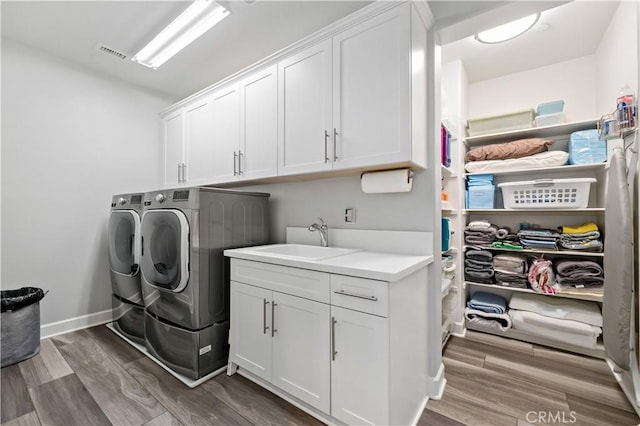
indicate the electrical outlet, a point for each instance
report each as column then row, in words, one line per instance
column 350, row 215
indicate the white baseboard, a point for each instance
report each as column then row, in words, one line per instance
column 436, row 385
column 73, row 324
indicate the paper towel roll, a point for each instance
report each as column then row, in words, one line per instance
column 388, row 181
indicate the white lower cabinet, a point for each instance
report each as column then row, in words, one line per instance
column 360, row 367
column 284, row 340
column 347, row 349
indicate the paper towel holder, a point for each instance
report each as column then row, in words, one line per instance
column 409, row 174
column 387, row 181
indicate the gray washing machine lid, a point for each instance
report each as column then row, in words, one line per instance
column 124, row 242
column 165, row 249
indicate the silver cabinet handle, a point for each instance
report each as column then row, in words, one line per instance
column 335, row 152
column 326, row 136
column 184, row 173
column 264, row 316
column 179, row 170
column 359, row 296
column 240, row 154
column 273, row 318
column 235, row 155
column 333, row 338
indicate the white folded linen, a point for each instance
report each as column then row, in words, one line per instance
column 587, row 340
column 560, row 308
column 487, row 319
column 531, row 319
column 542, row 159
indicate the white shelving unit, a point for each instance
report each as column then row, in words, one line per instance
column 545, row 218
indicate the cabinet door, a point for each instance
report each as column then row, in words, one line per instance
column 250, row 333
column 226, row 132
column 199, row 149
column 304, row 111
column 371, row 95
column 301, row 363
column 259, row 126
column 360, row 368
column 173, row 147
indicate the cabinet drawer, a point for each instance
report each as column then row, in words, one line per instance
column 360, row 294
column 311, row 285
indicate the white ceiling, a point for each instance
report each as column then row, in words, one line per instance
column 572, row 30
column 73, row 29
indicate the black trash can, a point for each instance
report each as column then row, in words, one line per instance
column 20, row 324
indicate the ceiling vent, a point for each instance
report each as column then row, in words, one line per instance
column 109, row 51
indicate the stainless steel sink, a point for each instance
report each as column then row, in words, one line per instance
column 302, row 252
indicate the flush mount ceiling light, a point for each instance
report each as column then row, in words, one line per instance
column 507, row 31
column 191, row 24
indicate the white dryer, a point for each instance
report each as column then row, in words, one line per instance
column 124, row 240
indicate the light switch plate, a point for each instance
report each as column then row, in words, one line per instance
column 350, row 215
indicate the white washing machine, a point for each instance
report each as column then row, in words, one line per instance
column 124, row 240
column 185, row 276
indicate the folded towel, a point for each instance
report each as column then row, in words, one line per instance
column 585, row 245
column 579, row 237
column 512, row 263
column 479, row 255
column 576, row 310
column 502, row 233
column 487, row 302
column 585, row 227
column 497, row 321
column 580, row 282
column 578, row 269
column 506, row 279
column 479, row 264
column 478, row 275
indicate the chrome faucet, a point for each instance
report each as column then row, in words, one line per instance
column 324, row 232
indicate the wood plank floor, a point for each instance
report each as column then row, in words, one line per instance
column 92, row 377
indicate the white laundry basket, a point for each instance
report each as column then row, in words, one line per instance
column 547, row 193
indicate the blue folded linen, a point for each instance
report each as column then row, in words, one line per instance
column 488, row 302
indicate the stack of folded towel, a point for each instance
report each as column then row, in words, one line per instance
column 480, row 233
column 572, row 274
column 511, row 270
column 539, row 238
column 575, row 322
column 488, row 310
column 584, row 237
column 478, row 266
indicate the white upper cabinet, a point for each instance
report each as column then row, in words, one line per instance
column 226, row 132
column 372, row 91
column 173, row 130
column 353, row 97
column 199, row 149
column 304, row 111
column 257, row 156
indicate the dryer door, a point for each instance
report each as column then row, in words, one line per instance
column 165, row 249
column 124, row 242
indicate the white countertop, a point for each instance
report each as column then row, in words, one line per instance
column 364, row 264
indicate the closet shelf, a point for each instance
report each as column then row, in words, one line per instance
column 449, row 212
column 588, row 210
column 446, row 172
column 546, row 170
column 534, row 132
column 588, row 297
column 539, row 251
column 598, row 352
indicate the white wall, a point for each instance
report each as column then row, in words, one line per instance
column 573, row 80
column 300, row 204
column 617, row 57
column 70, row 140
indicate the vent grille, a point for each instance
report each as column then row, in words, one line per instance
column 109, row 51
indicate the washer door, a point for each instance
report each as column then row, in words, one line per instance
column 124, row 242
column 165, row 249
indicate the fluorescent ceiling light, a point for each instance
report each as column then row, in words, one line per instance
column 508, row 31
column 191, row 24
